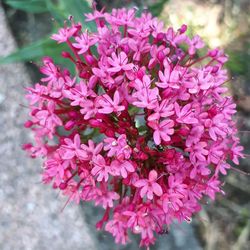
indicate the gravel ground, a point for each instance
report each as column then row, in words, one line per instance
column 30, row 213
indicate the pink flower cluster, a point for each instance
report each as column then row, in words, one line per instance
column 143, row 128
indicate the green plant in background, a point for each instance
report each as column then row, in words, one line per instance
column 157, row 8
column 239, row 62
column 33, row 6
column 60, row 10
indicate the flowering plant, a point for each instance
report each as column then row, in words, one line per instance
column 144, row 128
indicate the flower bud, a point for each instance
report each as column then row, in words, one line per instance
column 28, row 124
column 213, row 53
column 66, row 54
column 63, row 186
column 183, row 28
column 69, row 125
column 90, row 59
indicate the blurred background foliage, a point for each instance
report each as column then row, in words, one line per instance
column 224, row 224
column 57, row 11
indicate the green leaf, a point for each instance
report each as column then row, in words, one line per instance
column 238, row 62
column 157, row 8
column 76, row 8
column 56, row 11
column 34, row 51
column 65, row 8
column 39, row 49
column 47, row 47
column 33, row 6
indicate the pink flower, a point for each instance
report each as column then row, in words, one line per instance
column 216, row 153
column 88, row 109
column 73, row 148
column 218, row 55
column 91, row 149
column 122, row 168
column 199, row 170
column 118, row 148
column 72, row 191
column 108, row 105
column 117, row 228
column 229, row 108
column 145, row 96
column 175, row 38
column 84, row 42
column 119, row 63
column 195, row 43
column 170, row 77
column 222, row 168
column 100, row 169
column 149, row 186
column 139, row 47
column 78, row 94
column 164, row 77
column 213, row 187
column 106, row 198
column 47, row 117
column 158, row 54
column 175, row 183
column 121, row 17
column 202, row 81
column 172, row 202
column 198, row 152
column 35, row 95
column 56, row 167
column 143, row 126
column 64, row 34
column 136, row 220
column 51, row 71
column 194, row 135
column 162, row 130
column 185, row 115
column 217, row 126
column 95, row 15
column 236, row 153
column 164, row 109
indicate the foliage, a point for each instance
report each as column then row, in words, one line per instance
column 157, row 8
column 33, row 6
column 59, row 10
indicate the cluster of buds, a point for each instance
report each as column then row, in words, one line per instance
column 144, row 127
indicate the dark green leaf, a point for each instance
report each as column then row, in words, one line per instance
column 47, row 47
column 33, row 6
column 76, row 8
column 39, row 49
column 56, row 11
column 65, row 8
column 34, row 51
column 238, row 62
column 157, row 8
